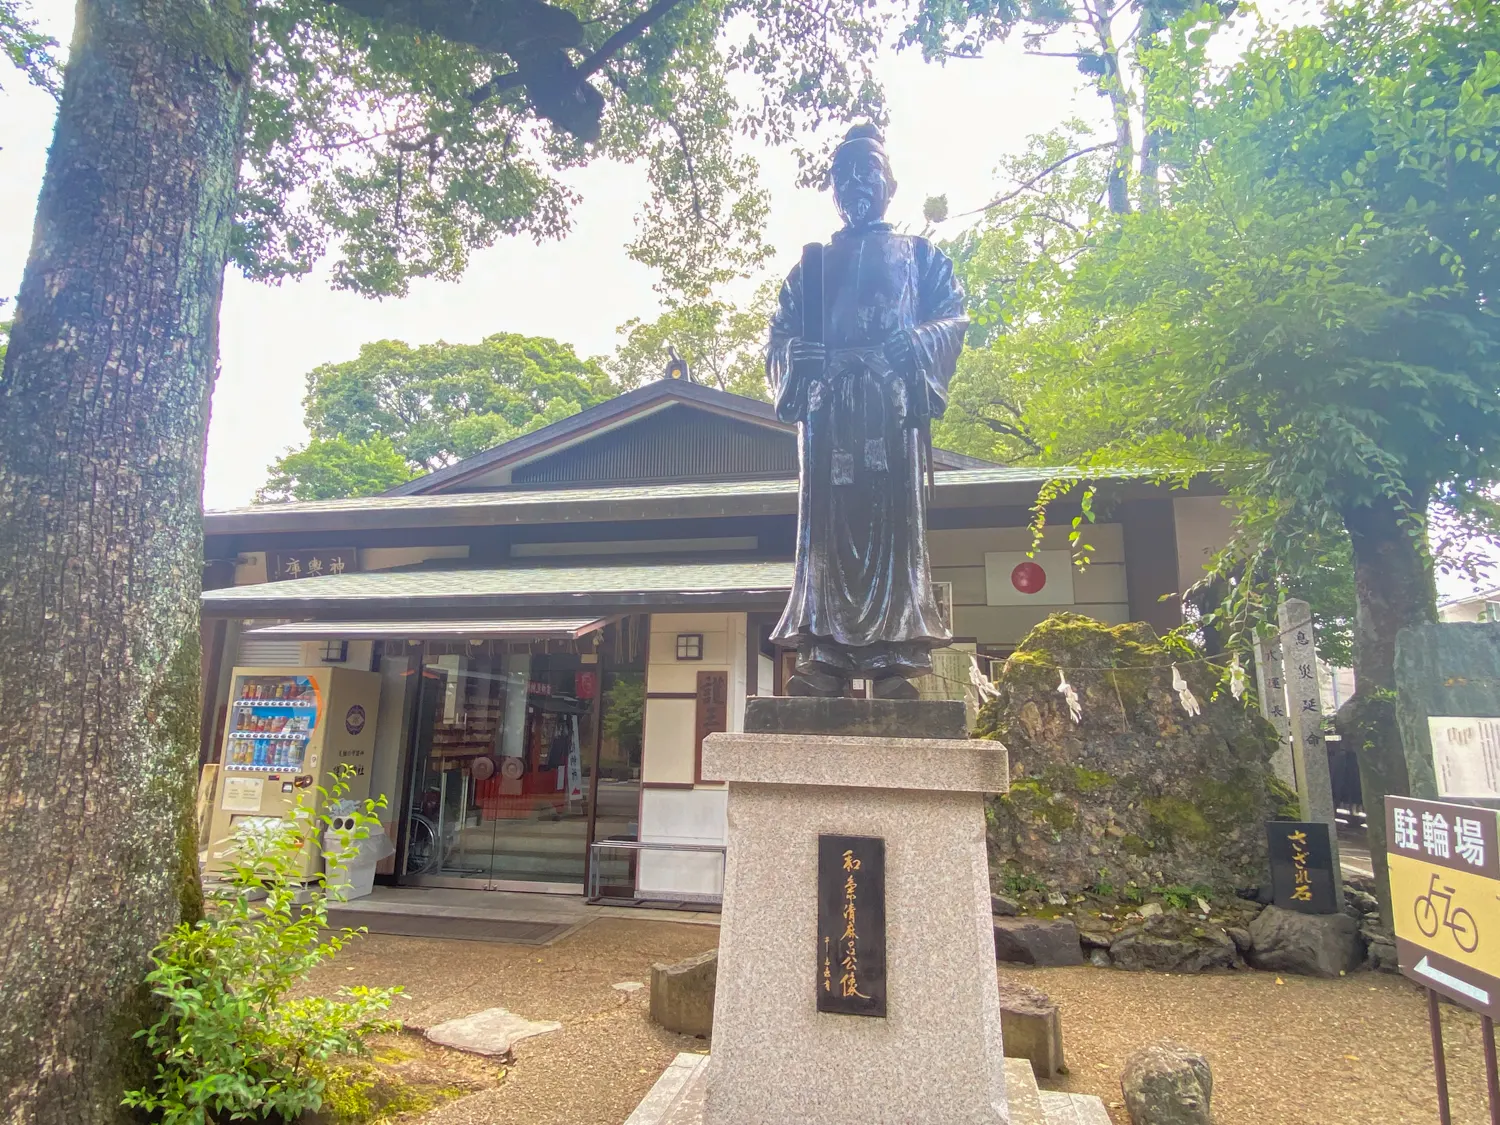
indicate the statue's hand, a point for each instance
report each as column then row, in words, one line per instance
column 901, row 352
column 808, row 354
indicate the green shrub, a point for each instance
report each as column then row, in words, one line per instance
column 231, row 1044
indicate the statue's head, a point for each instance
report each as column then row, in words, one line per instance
column 862, row 180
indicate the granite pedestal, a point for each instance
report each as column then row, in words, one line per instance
column 936, row 1057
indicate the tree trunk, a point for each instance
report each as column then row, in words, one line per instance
column 1394, row 588
column 1097, row 15
column 103, row 410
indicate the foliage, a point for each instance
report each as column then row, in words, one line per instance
column 331, row 468
column 232, row 1043
column 4, row 337
column 401, row 136
column 397, row 410
column 1015, row 265
column 624, row 709
column 27, row 49
column 724, row 345
column 1308, row 315
column 1102, row 38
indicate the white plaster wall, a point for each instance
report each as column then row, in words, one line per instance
column 1099, row 590
column 668, row 755
column 383, row 558
column 1203, row 525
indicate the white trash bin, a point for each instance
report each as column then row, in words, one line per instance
column 356, row 879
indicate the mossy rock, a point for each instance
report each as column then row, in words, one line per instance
column 1138, row 790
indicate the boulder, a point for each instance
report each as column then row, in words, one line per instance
column 1004, row 907
column 1137, row 790
column 682, row 995
column 1241, row 938
column 1031, row 1029
column 1315, row 945
column 1167, row 1084
column 1037, row 941
column 1099, row 958
column 1168, row 943
column 1380, row 949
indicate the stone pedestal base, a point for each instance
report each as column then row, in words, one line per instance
column 936, row 1058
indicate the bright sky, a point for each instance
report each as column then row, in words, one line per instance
column 949, row 128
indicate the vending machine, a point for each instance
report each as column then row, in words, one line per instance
column 288, row 732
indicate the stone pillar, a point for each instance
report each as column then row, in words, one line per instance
column 1271, row 687
column 936, row 1057
column 1305, row 710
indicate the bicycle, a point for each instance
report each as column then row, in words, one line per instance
column 1460, row 921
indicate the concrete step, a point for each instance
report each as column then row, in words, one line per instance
column 1073, row 1109
column 1023, row 1094
column 677, row 1098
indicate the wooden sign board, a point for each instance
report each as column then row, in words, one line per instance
column 1304, row 867
column 712, row 699
column 288, row 566
column 1445, row 892
column 851, row 925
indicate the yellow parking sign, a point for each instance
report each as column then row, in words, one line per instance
column 1445, row 893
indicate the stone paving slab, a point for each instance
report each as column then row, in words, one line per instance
column 492, row 1032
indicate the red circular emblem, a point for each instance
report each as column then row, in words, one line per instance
column 1028, row 577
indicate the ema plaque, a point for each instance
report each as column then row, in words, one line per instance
column 851, row 925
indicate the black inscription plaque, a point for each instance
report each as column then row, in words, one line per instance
column 851, row 925
column 1302, row 875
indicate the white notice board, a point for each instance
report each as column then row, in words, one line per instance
column 1465, row 755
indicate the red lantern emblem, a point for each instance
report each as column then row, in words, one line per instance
column 1028, row 577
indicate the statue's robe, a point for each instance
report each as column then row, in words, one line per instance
column 862, row 601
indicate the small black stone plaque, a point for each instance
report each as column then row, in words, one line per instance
column 1302, row 875
column 851, row 925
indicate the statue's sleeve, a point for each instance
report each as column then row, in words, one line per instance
column 942, row 324
column 788, row 395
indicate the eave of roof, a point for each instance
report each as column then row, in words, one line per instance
column 955, row 488
column 559, row 589
column 616, row 411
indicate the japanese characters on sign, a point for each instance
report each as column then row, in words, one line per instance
column 1303, row 873
column 286, row 566
column 1465, row 755
column 851, row 925
column 1444, row 863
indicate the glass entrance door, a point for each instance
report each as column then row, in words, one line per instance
column 502, row 781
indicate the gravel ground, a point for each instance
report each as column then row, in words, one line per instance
column 1302, row 1052
column 592, row 1072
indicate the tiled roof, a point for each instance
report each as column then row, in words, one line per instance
column 547, row 505
column 558, row 586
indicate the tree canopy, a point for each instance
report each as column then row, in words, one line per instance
column 399, row 135
column 723, row 344
column 397, row 411
column 1308, row 316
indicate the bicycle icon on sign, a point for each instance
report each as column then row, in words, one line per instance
column 1460, row 921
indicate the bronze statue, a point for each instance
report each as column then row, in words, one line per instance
column 860, row 358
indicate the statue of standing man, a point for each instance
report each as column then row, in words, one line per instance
column 860, row 358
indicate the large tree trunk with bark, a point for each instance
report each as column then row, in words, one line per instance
column 103, row 411
column 1394, row 588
